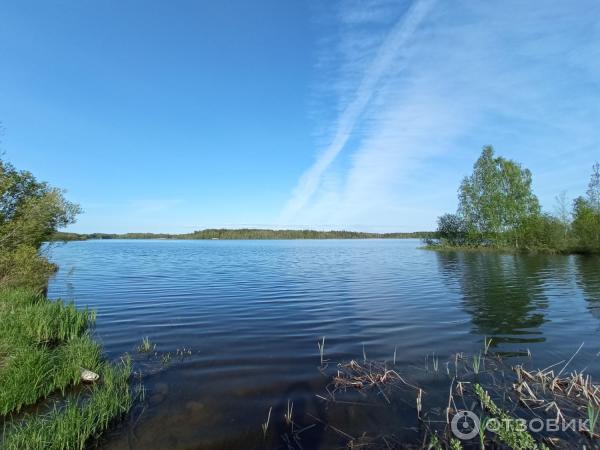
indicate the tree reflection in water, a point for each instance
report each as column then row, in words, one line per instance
column 504, row 294
column 588, row 279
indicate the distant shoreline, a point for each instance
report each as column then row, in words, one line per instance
column 244, row 234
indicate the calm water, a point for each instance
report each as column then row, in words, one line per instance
column 251, row 313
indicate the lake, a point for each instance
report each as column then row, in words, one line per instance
column 241, row 321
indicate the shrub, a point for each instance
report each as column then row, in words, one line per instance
column 586, row 225
column 542, row 232
column 30, row 213
column 452, row 229
column 24, row 267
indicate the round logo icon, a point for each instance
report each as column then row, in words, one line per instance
column 465, row 425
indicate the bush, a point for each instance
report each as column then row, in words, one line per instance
column 24, row 267
column 542, row 232
column 30, row 213
column 586, row 226
column 452, row 229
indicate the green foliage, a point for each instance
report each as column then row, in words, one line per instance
column 455, row 444
column 496, row 198
column 43, row 346
column 25, row 267
column 586, row 225
column 543, row 232
column 247, row 233
column 81, row 418
column 593, row 192
column 33, row 373
column 497, row 209
column 452, row 229
column 510, row 433
column 593, row 414
column 30, row 212
column 41, row 321
column 146, row 346
column 434, row 443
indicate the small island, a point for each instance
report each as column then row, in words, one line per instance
column 498, row 210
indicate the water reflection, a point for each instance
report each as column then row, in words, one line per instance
column 588, row 278
column 252, row 312
column 504, row 294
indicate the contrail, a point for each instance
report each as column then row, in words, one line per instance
column 400, row 33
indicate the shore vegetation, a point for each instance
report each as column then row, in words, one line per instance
column 497, row 209
column 245, row 234
column 46, row 345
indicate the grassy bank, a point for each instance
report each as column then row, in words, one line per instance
column 44, row 346
column 445, row 247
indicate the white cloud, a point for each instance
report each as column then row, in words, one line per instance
column 385, row 55
column 418, row 91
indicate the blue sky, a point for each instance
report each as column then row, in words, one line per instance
column 175, row 116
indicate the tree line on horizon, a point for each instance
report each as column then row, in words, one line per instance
column 246, row 234
column 498, row 209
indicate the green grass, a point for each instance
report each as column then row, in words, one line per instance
column 35, row 372
column 30, row 319
column 476, row 363
column 146, row 346
column 593, row 415
column 44, row 345
column 79, row 419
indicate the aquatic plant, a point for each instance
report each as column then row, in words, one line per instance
column 265, row 425
column 434, row 443
column 593, row 413
column 289, row 414
column 487, row 343
column 512, row 434
column 476, row 363
column 483, row 424
column 321, row 346
column 455, row 444
column 183, row 352
column 518, row 392
column 165, row 358
column 146, row 346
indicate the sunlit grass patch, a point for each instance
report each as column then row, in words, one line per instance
column 79, row 418
column 44, row 346
column 33, row 373
column 29, row 319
